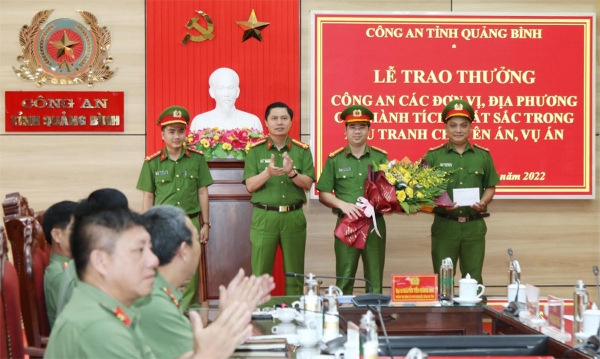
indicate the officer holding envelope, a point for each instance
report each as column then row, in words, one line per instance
column 459, row 232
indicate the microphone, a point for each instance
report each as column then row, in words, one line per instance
column 595, row 269
column 296, row 275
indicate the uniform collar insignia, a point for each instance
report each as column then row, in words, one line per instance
column 64, row 265
column 163, row 156
column 173, row 299
column 187, row 153
column 120, row 314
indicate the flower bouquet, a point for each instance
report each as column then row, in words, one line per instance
column 400, row 186
column 217, row 143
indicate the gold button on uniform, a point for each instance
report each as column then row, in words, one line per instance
column 461, row 169
column 178, row 189
column 178, row 203
column 163, row 181
column 283, row 196
column 460, row 212
column 177, row 176
column 281, row 182
column 476, row 172
column 461, row 183
column 360, row 174
column 191, row 176
column 342, row 177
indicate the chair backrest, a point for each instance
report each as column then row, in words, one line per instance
column 16, row 205
column 47, row 248
column 39, row 266
column 11, row 336
column 20, row 235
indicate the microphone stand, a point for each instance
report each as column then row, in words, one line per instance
column 387, row 339
column 513, row 307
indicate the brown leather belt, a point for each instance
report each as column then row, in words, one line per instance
column 290, row 208
column 464, row 219
column 194, row 215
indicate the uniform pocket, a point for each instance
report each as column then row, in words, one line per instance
column 342, row 175
column 476, row 171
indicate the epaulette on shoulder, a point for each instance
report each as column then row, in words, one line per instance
column 379, row 150
column 152, row 156
column 195, row 150
column 259, row 142
column 300, row 144
column 335, row 153
column 481, row 147
column 437, row 147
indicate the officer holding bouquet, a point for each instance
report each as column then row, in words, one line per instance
column 344, row 173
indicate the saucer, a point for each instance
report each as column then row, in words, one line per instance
column 467, row 301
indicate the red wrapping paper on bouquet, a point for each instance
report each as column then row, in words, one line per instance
column 381, row 195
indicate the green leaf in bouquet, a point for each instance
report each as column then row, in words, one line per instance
column 405, row 206
column 208, row 155
column 254, row 135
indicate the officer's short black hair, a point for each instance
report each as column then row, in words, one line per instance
column 279, row 105
column 168, row 229
column 98, row 222
column 57, row 216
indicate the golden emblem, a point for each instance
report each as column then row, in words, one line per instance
column 357, row 113
column 458, row 106
column 207, row 34
column 252, row 28
column 177, row 114
column 64, row 52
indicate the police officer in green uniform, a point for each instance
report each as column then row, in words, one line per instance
column 344, row 173
column 114, row 261
column 178, row 176
column 459, row 232
column 175, row 242
column 277, row 172
column 57, row 230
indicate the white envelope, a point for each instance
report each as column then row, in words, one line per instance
column 466, row 197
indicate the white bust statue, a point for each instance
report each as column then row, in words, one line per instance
column 225, row 89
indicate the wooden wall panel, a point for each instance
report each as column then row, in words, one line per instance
column 70, row 167
column 557, row 242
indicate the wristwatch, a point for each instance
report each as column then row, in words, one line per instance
column 295, row 175
column 207, row 223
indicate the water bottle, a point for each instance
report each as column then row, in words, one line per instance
column 580, row 304
column 369, row 340
column 447, row 282
column 331, row 319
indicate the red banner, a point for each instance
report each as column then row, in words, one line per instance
column 414, row 287
column 530, row 80
column 177, row 74
column 64, row 111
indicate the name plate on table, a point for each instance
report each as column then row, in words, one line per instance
column 416, row 288
column 556, row 323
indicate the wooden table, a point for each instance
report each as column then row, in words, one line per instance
column 424, row 320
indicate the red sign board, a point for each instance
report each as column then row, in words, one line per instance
column 414, row 287
column 64, row 111
column 534, row 105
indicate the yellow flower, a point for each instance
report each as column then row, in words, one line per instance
column 414, row 182
column 215, row 129
column 409, row 191
column 420, row 195
column 244, row 128
column 230, row 138
column 391, row 179
column 216, row 138
column 403, row 170
column 406, row 178
column 206, row 145
column 401, row 196
column 261, row 136
column 383, row 167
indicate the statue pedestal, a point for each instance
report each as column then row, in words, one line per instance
column 228, row 248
